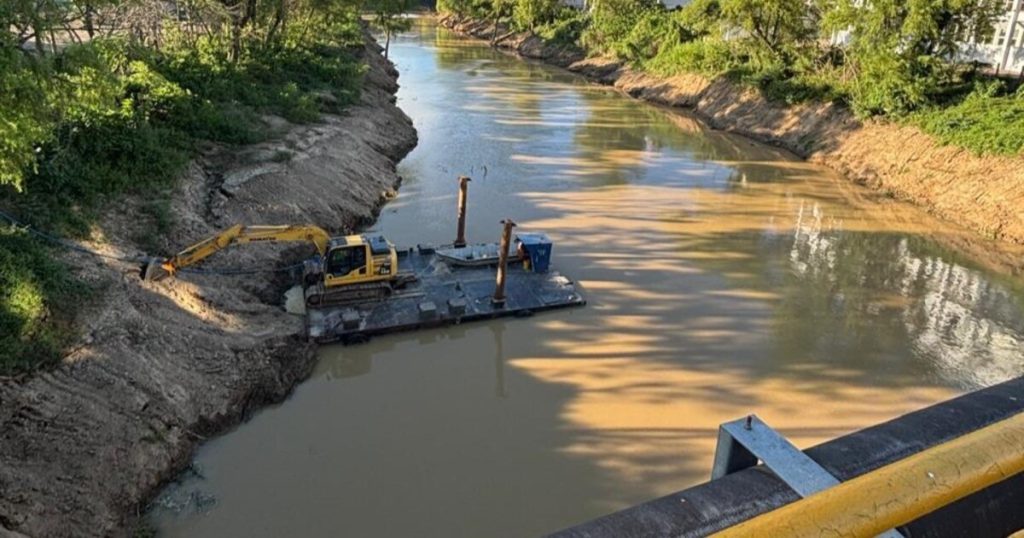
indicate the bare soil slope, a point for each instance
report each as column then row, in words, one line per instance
column 161, row 366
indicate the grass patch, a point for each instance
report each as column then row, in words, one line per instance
column 36, row 299
column 986, row 125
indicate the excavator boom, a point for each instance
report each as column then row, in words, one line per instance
column 158, row 269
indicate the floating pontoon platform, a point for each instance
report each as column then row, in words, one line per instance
column 444, row 293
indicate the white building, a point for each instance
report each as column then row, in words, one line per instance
column 1005, row 51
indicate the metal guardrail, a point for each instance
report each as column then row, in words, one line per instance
column 888, row 497
column 742, row 496
column 744, row 442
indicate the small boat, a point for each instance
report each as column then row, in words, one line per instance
column 478, row 255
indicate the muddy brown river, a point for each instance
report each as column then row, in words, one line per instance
column 723, row 278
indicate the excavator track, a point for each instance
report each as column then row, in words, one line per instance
column 318, row 297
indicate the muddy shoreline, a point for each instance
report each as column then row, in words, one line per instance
column 161, row 367
column 982, row 193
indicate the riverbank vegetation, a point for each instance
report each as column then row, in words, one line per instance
column 885, row 58
column 103, row 98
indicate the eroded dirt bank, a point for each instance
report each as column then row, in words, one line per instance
column 161, row 366
column 985, row 194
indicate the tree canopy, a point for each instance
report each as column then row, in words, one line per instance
column 67, row 66
column 900, row 55
column 389, row 17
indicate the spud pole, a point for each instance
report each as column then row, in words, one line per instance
column 460, row 237
column 506, row 239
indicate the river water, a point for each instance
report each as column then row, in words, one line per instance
column 723, row 278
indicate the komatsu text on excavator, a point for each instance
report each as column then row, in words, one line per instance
column 346, row 269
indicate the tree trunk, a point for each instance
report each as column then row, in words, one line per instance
column 37, row 29
column 90, row 28
column 280, row 16
column 238, row 25
column 387, row 42
column 236, row 40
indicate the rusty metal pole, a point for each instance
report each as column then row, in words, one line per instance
column 460, row 238
column 506, row 240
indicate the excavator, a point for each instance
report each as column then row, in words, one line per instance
column 347, row 269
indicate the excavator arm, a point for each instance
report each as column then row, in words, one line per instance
column 196, row 253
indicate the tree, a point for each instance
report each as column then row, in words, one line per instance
column 92, row 14
column 902, row 51
column 389, row 17
column 699, row 19
column 917, row 27
column 529, row 14
column 776, row 25
column 458, row 7
column 24, row 119
column 500, row 9
column 612, row 20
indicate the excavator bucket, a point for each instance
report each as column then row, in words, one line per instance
column 154, row 270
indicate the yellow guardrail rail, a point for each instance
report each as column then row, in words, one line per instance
column 902, row 491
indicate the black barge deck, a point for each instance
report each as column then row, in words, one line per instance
column 443, row 294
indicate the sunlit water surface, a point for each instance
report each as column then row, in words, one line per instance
column 723, row 278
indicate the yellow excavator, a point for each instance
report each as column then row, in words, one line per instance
column 347, row 269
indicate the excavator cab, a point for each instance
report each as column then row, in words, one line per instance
column 343, row 261
column 358, row 259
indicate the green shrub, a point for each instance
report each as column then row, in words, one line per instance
column 708, row 57
column 275, row 81
column 228, row 123
column 887, row 84
column 123, row 118
column 23, row 114
column 782, row 84
column 88, row 162
column 565, row 29
column 473, row 8
column 654, row 30
column 531, row 14
column 700, row 19
column 986, row 122
column 36, row 296
column 611, row 21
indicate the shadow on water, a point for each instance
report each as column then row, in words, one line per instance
column 723, row 278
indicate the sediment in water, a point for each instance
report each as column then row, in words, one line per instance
column 162, row 366
column 982, row 193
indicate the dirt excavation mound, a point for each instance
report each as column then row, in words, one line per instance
column 982, row 193
column 161, row 366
